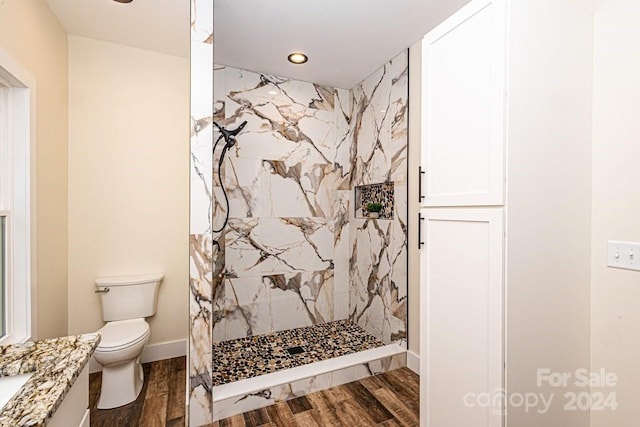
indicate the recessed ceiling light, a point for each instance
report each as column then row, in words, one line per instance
column 297, row 58
column 123, row 1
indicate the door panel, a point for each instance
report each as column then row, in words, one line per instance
column 461, row 317
column 463, row 91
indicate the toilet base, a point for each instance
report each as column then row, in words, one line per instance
column 121, row 384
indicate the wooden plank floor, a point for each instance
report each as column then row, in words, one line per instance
column 161, row 402
column 389, row 399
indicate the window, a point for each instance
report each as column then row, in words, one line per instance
column 17, row 95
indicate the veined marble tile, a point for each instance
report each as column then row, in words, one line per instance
column 218, row 209
column 372, row 244
column 286, row 119
column 299, row 189
column 341, row 305
column 343, row 114
column 203, row 274
column 368, row 310
column 394, row 328
column 341, row 229
column 370, row 274
column 399, row 241
column 263, row 246
column 376, row 90
column 317, row 290
column 398, row 109
column 218, row 320
column 377, row 303
column 219, row 116
column 273, row 188
column 219, row 332
column 263, row 305
column 201, row 22
column 380, row 366
column 201, row 197
column 205, row 209
column 200, row 309
column 243, row 181
column 371, row 129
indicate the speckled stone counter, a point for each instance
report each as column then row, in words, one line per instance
column 55, row 364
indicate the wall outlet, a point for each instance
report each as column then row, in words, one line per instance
column 623, row 255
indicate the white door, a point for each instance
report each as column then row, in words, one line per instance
column 461, row 317
column 463, row 108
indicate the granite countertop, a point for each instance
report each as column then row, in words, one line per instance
column 55, row 364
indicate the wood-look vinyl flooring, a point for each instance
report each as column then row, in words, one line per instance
column 389, row 399
column 161, row 402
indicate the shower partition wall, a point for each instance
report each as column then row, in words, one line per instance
column 295, row 268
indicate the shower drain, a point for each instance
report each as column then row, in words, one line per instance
column 295, row 350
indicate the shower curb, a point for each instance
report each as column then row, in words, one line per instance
column 253, row 393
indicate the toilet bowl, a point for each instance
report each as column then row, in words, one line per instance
column 126, row 302
column 119, row 353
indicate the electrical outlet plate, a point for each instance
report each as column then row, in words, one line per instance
column 623, row 255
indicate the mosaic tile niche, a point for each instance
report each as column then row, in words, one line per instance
column 382, row 193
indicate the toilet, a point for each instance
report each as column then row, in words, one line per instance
column 126, row 302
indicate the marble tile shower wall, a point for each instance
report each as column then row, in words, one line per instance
column 378, row 248
column 294, row 254
column 281, row 178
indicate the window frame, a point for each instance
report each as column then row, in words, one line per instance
column 17, row 197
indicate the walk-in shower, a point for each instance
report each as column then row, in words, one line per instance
column 307, row 278
column 299, row 290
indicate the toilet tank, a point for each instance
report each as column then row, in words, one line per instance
column 128, row 297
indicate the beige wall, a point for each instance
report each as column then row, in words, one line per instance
column 548, row 201
column 615, row 333
column 128, row 178
column 31, row 34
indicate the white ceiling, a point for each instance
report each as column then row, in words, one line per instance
column 158, row 25
column 346, row 40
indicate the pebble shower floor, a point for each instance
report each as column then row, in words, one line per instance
column 263, row 354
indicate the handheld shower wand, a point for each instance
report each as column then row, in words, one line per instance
column 229, row 137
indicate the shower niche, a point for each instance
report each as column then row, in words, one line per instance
column 381, row 194
column 299, row 263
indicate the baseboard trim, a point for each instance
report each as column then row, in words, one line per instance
column 413, row 362
column 152, row 353
column 86, row 420
column 164, row 350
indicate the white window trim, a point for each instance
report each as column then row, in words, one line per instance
column 19, row 140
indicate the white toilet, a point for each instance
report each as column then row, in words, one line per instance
column 126, row 301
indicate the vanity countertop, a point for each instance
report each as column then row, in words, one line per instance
column 55, row 364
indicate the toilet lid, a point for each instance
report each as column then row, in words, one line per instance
column 122, row 333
